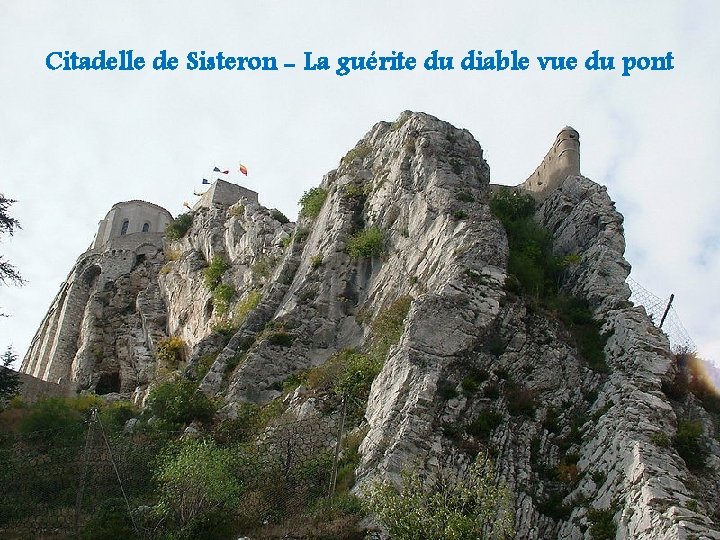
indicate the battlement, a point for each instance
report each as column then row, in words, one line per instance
column 561, row 161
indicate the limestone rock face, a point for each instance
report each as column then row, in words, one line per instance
column 474, row 368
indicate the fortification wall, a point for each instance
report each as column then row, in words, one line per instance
column 226, row 194
column 561, row 161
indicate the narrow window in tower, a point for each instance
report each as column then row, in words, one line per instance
column 124, row 228
column 146, row 227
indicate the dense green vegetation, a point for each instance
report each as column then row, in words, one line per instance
column 277, row 215
column 537, row 274
column 445, row 505
column 224, row 479
column 179, row 227
column 688, row 443
column 177, row 403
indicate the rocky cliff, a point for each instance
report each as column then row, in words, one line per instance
column 403, row 230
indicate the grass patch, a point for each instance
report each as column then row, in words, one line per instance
column 316, row 261
column 354, row 191
column 359, row 152
column 263, row 267
column 244, row 307
column 387, row 328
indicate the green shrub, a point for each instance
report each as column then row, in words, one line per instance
column 445, row 506
column 465, row 196
column 280, row 338
column 179, row 227
column 222, row 296
column 232, row 363
column 534, row 270
column 115, row 415
column 196, row 481
column 214, row 271
column 599, row 477
column 457, row 165
column 316, row 261
column 602, row 525
column 179, row 403
column 520, row 401
column 688, row 443
column 483, row 425
column 460, row 214
column 312, row 202
column 469, row 385
column 359, row 371
column 530, row 260
column 169, row 352
column 354, row 191
column 586, row 331
column 366, row 244
column 111, row 521
column 553, row 506
column 277, row 215
column 231, row 431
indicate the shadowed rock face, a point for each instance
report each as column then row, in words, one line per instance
column 566, row 438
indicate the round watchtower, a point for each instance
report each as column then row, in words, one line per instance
column 131, row 217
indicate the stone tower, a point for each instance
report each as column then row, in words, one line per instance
column 99, row 330
column 561, row 161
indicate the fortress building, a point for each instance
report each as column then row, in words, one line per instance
column 128, row 218
column 102, row 327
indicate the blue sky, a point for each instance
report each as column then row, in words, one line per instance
column 74, row 143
